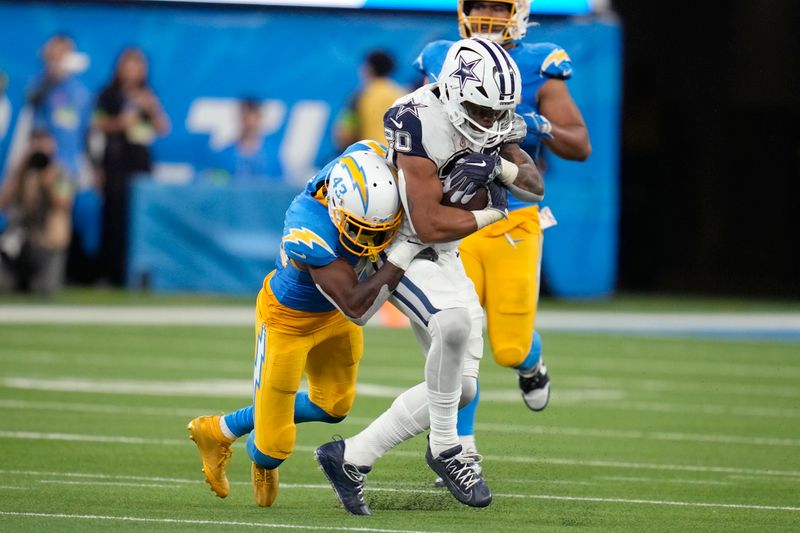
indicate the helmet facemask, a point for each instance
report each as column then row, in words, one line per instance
column 498, row 29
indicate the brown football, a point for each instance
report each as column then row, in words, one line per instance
column 479, row 201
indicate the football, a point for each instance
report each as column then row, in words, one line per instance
column 479, row 201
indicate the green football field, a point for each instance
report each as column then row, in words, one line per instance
column 642, row 434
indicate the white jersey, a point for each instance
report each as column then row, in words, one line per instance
column 417, row 125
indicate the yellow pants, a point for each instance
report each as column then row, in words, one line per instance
column 503, row 262
column 325, row 346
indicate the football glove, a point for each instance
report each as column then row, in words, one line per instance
column 498, row 198
column 469, row 174
column 537, row 124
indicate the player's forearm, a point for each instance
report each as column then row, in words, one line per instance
column 525, row 181
column 443, row 224
column 570, row 142
column 364, row 299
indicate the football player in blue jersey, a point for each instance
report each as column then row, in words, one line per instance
column 308, row 314
column 503, row 260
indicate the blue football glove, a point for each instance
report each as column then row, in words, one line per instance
column 470, row 173
column 498, row 198
column 536, row 124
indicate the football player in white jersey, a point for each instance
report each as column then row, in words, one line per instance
column 503, row 260
column 449, row 136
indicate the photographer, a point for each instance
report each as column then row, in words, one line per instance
column 37, row 198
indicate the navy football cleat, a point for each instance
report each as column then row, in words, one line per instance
column 460, row 475
column 346, row 478
column 535, row 389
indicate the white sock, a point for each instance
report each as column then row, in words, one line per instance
column 225, row 429
column 468, row 443
column 449, row 330
column 443, row 410
column 406, row 418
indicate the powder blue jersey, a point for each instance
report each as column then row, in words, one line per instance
column 310, row 237
column 537, row 63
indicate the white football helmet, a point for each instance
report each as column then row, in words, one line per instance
column 363, row 202
column 497, row 29
column 479, row 79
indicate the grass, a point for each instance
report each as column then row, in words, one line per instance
column 642, row 434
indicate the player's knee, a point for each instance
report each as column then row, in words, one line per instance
column 453, row 326
column 509, row 355
column 469, row 387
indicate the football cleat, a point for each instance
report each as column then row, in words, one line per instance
column 458, row 473
column 439, row 482
column 535, row 389
column 346, row 478
column 215, row 451
column 265, row 485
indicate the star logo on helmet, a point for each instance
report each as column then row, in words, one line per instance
column 465, row 72
column 409, row 107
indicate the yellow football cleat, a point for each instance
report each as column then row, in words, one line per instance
column 215, row 451
column 265, row 485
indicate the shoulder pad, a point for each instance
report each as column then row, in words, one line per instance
column 556, row 63
column 403, row 127
column 367, row 144
column 303, row 244
column 429, row 62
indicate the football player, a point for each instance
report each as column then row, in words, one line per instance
column 308, row 314
column 446, row 135
column 503, row 260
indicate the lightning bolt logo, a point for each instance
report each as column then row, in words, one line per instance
column 376, row 147
column 359, row 178
column 307, row 237
column 556, row 57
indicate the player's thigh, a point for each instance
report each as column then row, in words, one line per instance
column 512, row 293
column 332, row 367
column 429, row 287
column 471, row 252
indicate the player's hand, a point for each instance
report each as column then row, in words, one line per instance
column 403, row 250
column 537, row 125
column 498, row 198
column 470, row 173
column 519, row 130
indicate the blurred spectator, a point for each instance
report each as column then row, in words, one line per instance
column 363, row 118
column 60, row 102
column 130, row 116
column 252, row 157
column 37, row 197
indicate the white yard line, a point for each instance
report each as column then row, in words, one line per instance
column 528, row 430
column 628, row 479
column 242, row 388
column 767, row 323
column 202, row 522
column 726, row 411
column 635, row 501
column 27, row 435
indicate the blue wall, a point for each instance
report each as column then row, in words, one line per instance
column 304, row 63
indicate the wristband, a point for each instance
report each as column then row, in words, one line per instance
column 484, row 217
column 508, row 171
column 402, row 254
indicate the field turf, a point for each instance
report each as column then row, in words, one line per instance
column 642, row 434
